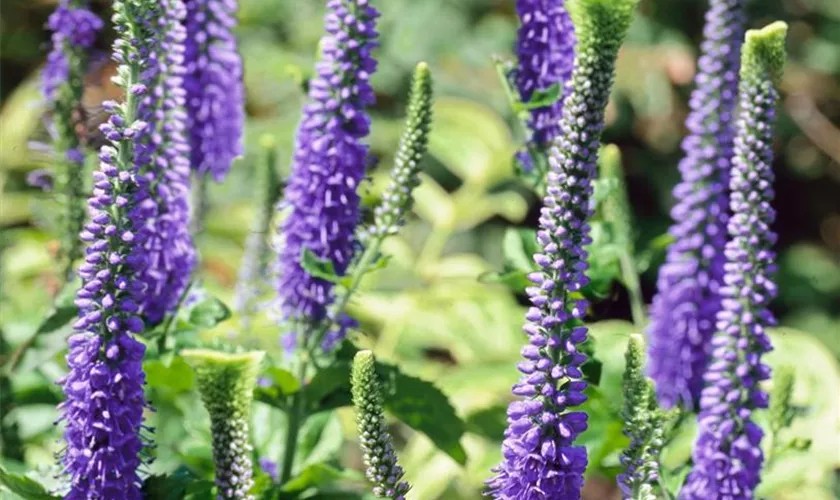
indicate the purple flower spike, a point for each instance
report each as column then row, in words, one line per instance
column 163, row 157
column 329, row 161
column 727, row 455
column 540, row 458
column 215, row 93
column 74, row 30
column 687, row 300
column 545, row 49
column 104, row 405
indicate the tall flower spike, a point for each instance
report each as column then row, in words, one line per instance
column 545, row 49
column 396, row 201
column 683, row 311
column 379, row 455
column 329, row 162
column 74, row 29
column 727, row 454
column 164, row 160
column 215, row 93
column 103, row 410
column 226, row 383
column 540, row 459
column 250, row 284
column 643, row 424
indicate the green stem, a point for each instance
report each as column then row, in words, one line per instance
column 293, row 429
column 630, row 276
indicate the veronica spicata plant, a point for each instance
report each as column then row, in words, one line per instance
column 540, row 458
column 688, row 297
column 74, row 28
column 379, row 455
column 545, row 50
column 226, row 383
column 321, row 199
column 103, row 410
column 727, row 455
column 215, row 94
column 644, row 425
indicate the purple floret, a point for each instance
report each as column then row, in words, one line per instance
column 688, row 298
column 73, row 27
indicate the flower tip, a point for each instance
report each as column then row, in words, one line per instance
column 363, row 357
column 764, row 50
column 268, row 141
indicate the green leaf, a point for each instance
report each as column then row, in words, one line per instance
column 488, row 422
column 283, row 384
column 519, row 246
column 425, row 408
column 175, row 486
column 313, row 476
column 209, row 312
column 24, row 487
column 57, row 318
column 416, row 402
column 516, row 280
column 539, row 99
column 177, row 376
column 317, row 267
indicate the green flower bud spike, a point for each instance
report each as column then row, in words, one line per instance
column 396, row 200
column 226, row 383
column 644, row 424
column 379, row 455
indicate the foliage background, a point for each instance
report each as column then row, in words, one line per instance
column 427, row 311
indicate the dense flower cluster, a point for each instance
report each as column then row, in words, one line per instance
column 103, row 410
column 74, row 29
column 727, row 455
column 164, row 159
column 545, row 49
column 329, row 161
column 215, row 93
column 379, row 455
column 540, row 459
column 683, row 311
column 643, row 425
column 226, row 383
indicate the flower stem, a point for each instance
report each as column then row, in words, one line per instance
column 296, row 418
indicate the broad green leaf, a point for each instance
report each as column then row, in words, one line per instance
column 177, row 376
column 516, row 280
column 24, row 487
column 540, row 99
column 281, row 383
column 175, row 486
column 415, row 402
column 488, row 422
column 317, row 267
column 313, row 476
column 209, row 312
column 519, row 246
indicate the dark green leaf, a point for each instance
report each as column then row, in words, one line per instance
column 592, row 371
column 24, row 487
column 317, row 267
column 515, row 280
column 167, row 486
column 283, row 384
column 313, row 476
column 416, row 402
column 540, row 99
column 209, row 313
column 488, row 422
column 422, row 406
column 57, row 318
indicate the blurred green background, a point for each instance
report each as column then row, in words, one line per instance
column 427, row 311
